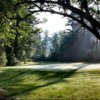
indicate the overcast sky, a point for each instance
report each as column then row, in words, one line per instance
column 54, row 22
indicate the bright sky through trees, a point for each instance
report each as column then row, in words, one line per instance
column 54, row 23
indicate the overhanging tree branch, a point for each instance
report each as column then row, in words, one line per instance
column 64, row 4
column 66, row 15
column 85, row 15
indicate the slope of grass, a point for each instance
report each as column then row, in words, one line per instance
column 27, row 84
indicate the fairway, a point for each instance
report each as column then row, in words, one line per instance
column 29, row 84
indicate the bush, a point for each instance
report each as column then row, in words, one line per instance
column 3, row 59
column 12, row 60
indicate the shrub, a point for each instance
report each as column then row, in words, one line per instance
column 12, row 60
column 3, row 59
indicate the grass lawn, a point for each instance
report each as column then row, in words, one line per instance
column 27, row 84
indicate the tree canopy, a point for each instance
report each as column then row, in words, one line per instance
column 18, row 31
column 17, row 36
column 87, row 10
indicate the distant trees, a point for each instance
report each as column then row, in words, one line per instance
column 55, row 46
column 74, row 44
column 44, row 44
column 77, row 44
column 56, row 41
column 42, row 47
column 37, row 47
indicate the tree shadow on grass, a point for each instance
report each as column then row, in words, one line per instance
column 7, row 76
column 14, row 78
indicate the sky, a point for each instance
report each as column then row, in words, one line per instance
column 55, row 23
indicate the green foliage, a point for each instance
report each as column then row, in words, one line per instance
column 3, row 59
column 16, row 35
column 26, row 40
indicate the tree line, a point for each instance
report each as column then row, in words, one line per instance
column 73, row 45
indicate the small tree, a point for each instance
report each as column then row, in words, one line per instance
column 3, row 59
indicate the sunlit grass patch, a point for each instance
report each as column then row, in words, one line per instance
column 30, row 84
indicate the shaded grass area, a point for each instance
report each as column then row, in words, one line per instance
column 61, row 85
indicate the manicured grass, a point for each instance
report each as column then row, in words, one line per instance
column 27, row 84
